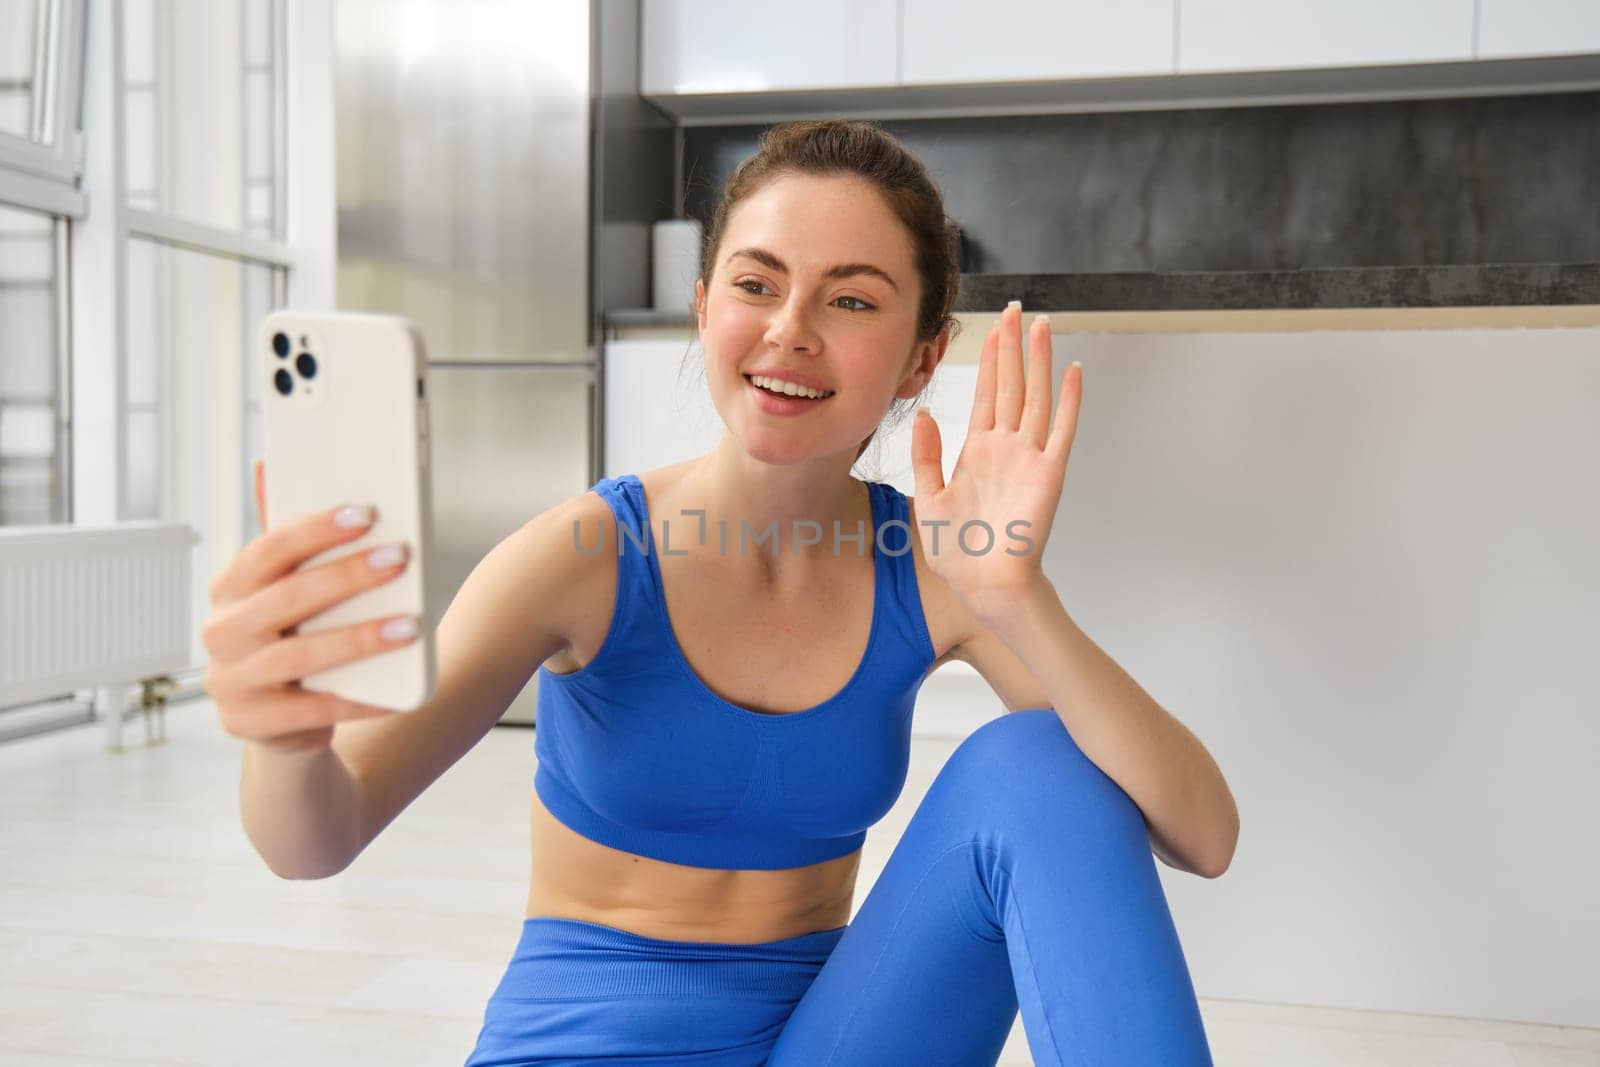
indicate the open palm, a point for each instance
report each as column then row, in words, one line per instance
column 1008, row 478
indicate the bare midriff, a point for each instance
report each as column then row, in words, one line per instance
column 576, row 878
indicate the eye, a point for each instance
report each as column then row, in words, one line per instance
column 755, row 288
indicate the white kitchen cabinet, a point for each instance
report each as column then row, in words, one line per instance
column 714, row 62
column 652, row 420
column 718, row 46
column 952, row 41
column 1509, row 28
column 1216, row 35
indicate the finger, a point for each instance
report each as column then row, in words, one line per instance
column 281, row 550
column 296, row 711
column 1008, row 369
column 983, row 403
column 261, row 492
column 290, row 659
column 926, row 456
column 290, row 601
column 1059, row 447
column 1036, row 405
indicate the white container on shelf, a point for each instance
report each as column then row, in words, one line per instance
column 674, row 263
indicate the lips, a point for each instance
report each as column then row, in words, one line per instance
column 778, row 404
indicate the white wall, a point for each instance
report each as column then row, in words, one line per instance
column 1362, row 568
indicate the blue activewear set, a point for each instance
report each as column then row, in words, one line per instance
column 1024, row 879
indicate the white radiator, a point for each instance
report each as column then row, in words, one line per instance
column 92, row 607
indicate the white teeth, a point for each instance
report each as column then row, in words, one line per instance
column 773, row 385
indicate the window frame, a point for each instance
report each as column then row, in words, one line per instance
column 57, row 157
column 42, row 175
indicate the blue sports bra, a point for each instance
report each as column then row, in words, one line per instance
column 637, row 753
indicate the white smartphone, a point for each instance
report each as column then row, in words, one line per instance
column 345, row 415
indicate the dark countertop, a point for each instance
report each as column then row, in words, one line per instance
column 1485, row 285
column 647, row 317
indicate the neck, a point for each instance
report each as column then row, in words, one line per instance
column 734, row 487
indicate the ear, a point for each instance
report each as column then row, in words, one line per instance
column 925, row 360
column 700, row 303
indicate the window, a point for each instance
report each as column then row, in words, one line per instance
column 202, row 176
column 22, row 62
column 139, row 252
column 202, row 88
column 32, row 489
column 41, row 77
column 40, row 160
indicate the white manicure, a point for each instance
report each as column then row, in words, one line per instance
column 399, row 629
column 354, row 515
column 387, row 556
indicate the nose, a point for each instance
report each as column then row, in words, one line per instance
column 790, row 330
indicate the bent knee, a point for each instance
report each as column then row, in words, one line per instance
column 1018, row 739
column 1030, row 756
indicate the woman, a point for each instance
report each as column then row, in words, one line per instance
column 719, row 724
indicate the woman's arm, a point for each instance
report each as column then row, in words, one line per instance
column 309, row 816
column 1186, row 803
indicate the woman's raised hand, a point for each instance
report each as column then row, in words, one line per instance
column 1009, row 474
column 257, row 660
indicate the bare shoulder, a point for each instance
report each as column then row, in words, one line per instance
column 949, row 623
column 569, row 537
column 577, row 516
column 584, row 530
column 587, row 520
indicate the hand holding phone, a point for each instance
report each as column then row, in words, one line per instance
column 344, row 413
column 256, row 656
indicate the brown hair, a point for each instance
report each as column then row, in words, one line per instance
column 863, row 149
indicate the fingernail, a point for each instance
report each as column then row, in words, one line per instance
column 1042, row 318
column 1015, row 304
column 400, row 629
column 387, row 556
column 354, row 515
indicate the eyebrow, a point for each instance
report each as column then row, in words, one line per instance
column 843, row 270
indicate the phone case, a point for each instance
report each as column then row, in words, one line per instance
column 345, row 418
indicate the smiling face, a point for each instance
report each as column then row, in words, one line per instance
column 813, row 279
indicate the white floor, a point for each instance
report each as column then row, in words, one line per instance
column 138, row 926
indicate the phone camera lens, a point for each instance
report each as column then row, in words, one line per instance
column 280, row 344
column 284, row 381
column 306, row 364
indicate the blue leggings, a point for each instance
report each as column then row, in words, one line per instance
column 1025, row 879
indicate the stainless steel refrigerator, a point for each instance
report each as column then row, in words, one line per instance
column 466, row 166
